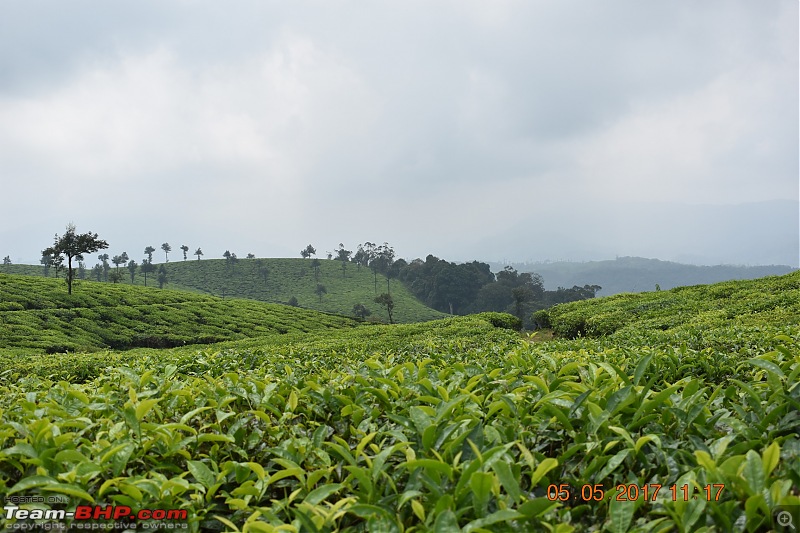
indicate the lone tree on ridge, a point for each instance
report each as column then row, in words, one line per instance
column 307, row 252
column 73, row 245
column 167, row 249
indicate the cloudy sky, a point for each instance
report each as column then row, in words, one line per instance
column 503, row 130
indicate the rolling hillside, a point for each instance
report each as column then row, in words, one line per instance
column 773, row 300
column 285, row 278
column 37, row 315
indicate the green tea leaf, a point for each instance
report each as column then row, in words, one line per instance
column 754, row 472
column 201, row 473
column 320, row 493
column 621, row 513
column 771, row 458
column 446, row 522
column 542, row 469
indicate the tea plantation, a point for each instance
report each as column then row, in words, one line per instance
column 275, row 280
column 669, row 411
column 37, row 315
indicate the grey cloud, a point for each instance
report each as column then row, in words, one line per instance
column 439, row 126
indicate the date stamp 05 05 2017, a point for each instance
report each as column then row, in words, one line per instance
column 649, row 492
column 784, row 517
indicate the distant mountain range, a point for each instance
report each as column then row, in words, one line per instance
column 756, row 233
column 638, row 274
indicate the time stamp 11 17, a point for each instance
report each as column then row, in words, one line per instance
column 631, row 492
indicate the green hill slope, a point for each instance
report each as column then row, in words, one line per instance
column 285, row 278
column 773, row 300
column 38, row 315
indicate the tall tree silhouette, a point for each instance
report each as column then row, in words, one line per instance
column 147, row 267
column 72, row 246
column 132, row 266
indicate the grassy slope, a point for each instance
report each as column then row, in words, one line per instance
column 772, row 300
column 286, row 278
column 37, row 315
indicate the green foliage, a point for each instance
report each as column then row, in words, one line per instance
column 167, row 249
column 450, row 425
column 385, row 299
column 307, row 252
column 73, row 245
column 35, row 314
column 320, row 291
column 277, row 280
column 502, row 320
column 360, row 311
column 767, row 300
column 445, row 286
column 162, row 276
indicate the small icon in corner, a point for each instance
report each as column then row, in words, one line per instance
column 785, row 518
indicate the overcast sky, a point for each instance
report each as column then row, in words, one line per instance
column 502, row 130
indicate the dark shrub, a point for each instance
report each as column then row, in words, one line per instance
column 502, row 320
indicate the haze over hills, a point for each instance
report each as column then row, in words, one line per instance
column 752, row 233
column 638, row 274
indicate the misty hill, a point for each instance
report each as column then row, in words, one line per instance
column 637, row 274
column 37, row 314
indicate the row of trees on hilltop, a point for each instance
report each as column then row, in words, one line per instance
column 455, row 288
column 73, row 246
